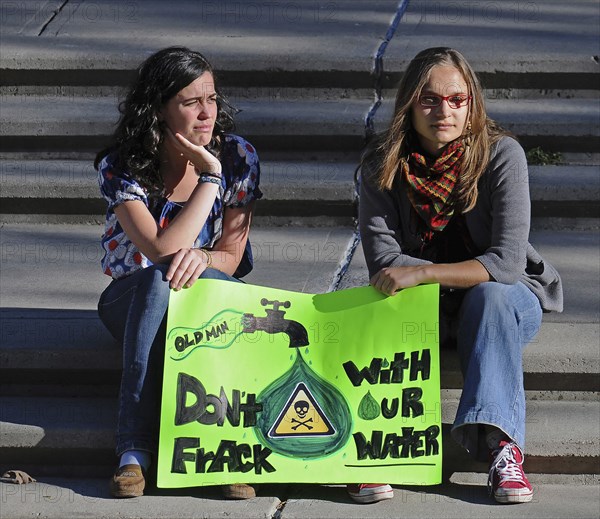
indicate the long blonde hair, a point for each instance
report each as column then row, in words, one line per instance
column 395, row 145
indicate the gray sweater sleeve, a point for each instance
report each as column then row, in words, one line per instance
column 504, row 199
column 498, row 224
column 380, row 226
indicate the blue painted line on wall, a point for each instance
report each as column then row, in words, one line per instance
column 378, row 66
column 340, row 272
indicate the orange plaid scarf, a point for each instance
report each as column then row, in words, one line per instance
column 430, row 186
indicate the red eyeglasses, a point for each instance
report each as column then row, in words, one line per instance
column 454, row 101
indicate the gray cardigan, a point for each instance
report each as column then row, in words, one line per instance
column 498, row 225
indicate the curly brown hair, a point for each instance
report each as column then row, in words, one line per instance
column 139, row 132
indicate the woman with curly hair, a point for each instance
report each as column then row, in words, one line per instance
column 180, row 191
column 445, row 199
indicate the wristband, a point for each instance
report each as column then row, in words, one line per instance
column 204, row 178
column 208, row 173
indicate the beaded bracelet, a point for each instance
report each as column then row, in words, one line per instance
column 204, row 178
column 209, row 173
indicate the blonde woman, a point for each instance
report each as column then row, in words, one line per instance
column 445, row 199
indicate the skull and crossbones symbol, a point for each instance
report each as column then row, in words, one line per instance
column 301, row 407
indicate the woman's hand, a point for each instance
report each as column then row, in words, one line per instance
column 391, row 279
column 202, row 159
column 186, row 267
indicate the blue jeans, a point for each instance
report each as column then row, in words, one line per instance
column 495, row 323
column 134, row 310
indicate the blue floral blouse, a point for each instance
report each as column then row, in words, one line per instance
column 241, row 174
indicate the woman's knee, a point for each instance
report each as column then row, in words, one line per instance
column 491, row 310
column 486, row 296
column 152, row 285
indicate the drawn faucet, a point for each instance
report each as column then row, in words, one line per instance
column 275, row 323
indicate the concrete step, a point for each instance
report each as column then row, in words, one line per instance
column 556, row 191
column 70, row 353
column 463, row 497
column 38, row 188
column 547, row 45
column 58, row 187
column 66, row 123
column 535, row 39
column 573, row 253
column 44, row 434
column 51, row 281
column 58, row 266
column 62, row 124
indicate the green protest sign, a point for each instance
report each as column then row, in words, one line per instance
column 271, row 386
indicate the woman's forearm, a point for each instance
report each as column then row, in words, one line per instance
column 160, row 244
column 465, row 274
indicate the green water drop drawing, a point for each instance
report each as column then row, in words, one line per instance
column 330, row 402
column 385, row 363
column 368, row 409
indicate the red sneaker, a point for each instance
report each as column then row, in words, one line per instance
column 506, row 479
column 370, row 492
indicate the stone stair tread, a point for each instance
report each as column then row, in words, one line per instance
column 26, row 248
column 564, row 182
column 88, row 423
column 280, row 180
column 95, row 116
column 573, row 253
column 290, row 180
column 448, row 501
column 328, row 36
column 347, row 30
column 58, row 265
column 49, row 320
column 549, row 426
column 533, row 38
column 54, row 341
column 66, row 498
column 58, row 422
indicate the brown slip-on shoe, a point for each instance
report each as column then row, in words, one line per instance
column 128, row 481
column 239, row 491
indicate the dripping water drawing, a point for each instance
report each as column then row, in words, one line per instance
column 303, row 416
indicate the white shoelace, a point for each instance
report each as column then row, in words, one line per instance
column 507, row 466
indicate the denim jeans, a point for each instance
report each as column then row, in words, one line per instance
column 495, row 323
column 134, row 310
